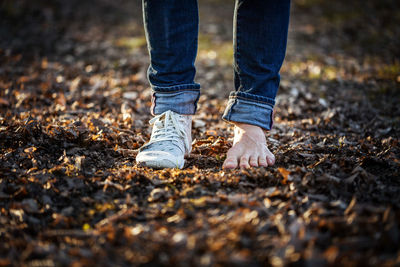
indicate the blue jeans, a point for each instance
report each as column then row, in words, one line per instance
column 260, row 36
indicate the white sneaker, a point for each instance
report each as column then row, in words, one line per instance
column 170, row 141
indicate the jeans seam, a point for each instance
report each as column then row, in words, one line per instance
column 238, row 44
column 185, row 86
column 229, row 115
column 251, row 100
column 177, row 85
column 177, row 91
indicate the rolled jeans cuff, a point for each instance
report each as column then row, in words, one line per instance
column 250, row 109
column 181, row 99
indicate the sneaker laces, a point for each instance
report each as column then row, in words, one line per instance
column 168, row 128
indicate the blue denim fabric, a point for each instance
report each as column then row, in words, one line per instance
column 183, row 101
column 260, row 36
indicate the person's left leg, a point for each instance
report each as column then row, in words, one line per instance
column 260, row 36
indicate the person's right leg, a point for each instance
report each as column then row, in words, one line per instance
column 171, row 28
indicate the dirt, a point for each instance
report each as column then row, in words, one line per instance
column 74, row 108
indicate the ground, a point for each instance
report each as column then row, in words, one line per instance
column 74, row 107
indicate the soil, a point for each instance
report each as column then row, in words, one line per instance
column 74, row 109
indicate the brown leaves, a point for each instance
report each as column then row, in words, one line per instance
column 285, row 174
column 74, row 108
column 4, row 102
column 212, row 146
column 331, row 253
column 30, row 150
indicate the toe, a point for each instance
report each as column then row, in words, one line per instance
column 270, row 158
column 230, row 163
column 262, row 161
column 253, row 161
column 244, row 162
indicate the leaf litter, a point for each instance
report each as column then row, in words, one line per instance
column 74, row 106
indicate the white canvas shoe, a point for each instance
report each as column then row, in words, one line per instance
column 170, row 141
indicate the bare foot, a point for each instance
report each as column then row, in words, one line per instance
column 249, row 148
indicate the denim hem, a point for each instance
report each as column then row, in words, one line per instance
column 183, row 102
column 249, row 111
column 175, row 88
column 252, row 97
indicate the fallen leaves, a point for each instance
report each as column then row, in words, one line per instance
column 74, row 110
column 4, row 102
column 285, row 174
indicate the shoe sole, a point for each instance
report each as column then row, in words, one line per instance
column 159, row 164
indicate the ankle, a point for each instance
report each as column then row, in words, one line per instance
column 249, row 129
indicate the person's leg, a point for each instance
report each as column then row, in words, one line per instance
column 260, row 36
column 171, row 28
